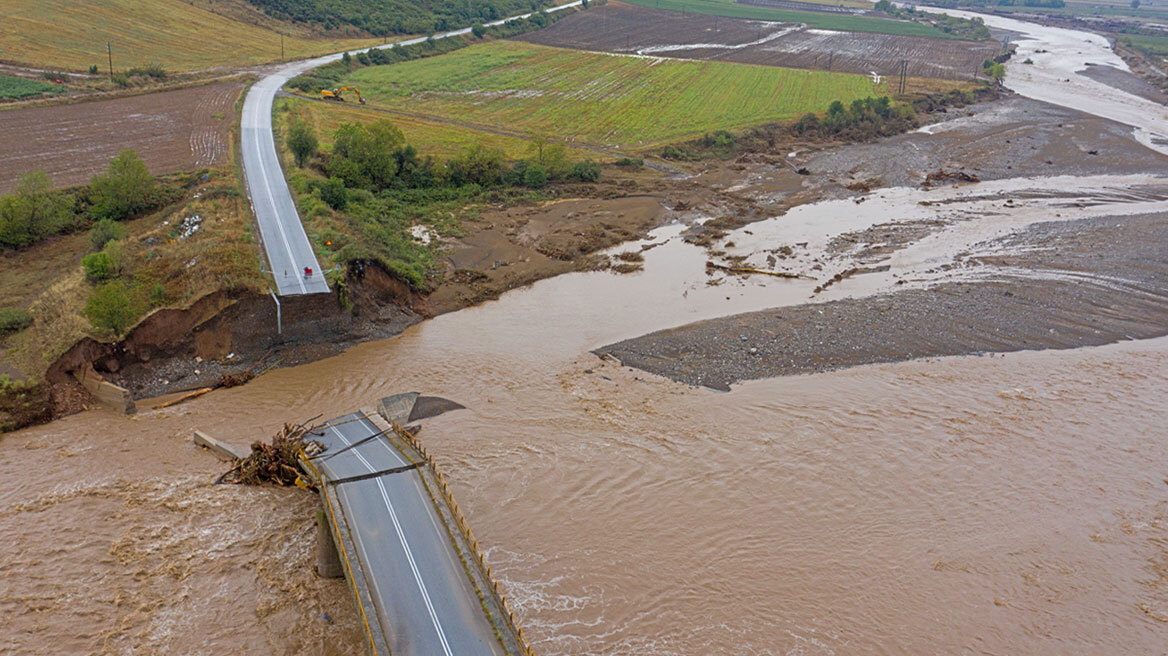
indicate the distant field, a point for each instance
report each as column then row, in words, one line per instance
column 19, row 87
column 1152, row 45
column 843, row 23
column 601, row 99
column 72, row 35
column 439, row 140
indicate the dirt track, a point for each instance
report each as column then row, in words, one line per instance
column 171, row 130
column 632, row 29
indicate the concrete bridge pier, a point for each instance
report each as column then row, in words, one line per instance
column 328, row 563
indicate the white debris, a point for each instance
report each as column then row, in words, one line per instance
column 189, row 226
column 422, row 233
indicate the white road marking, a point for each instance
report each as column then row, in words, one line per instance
column 405, row 546
column 279, row 223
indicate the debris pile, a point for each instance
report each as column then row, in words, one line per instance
column 189, row 226
column 275, row 462
column 949, row 176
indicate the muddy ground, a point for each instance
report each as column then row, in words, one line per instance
column 171, row 130
column 1086, row 309
column 624, row 28
column 1111, row 281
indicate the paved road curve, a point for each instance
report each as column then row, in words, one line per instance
column 424, row 602
column 289, row 251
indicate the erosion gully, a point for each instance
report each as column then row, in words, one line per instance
column 998, row 504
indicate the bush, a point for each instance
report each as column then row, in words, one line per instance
column 157, row 295
column 110, row 308
column 588, row 171
column 154, row 71
column 363, row 155
column 670, row 152
column 93, row 69
column 105, row 264
column 535, row 176
column 479, row 164
column 103, row 232
column 332, row 192
column 126, row 189
column 14, row 320
column 33, row 212
column 630, row 161
column 478, row 30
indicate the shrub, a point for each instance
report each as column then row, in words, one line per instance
column 14, row 320
column 479, row 164
column 588, row 171
column 535, row 176
column 153, row 70
column 332, row 192
column 93, row 69
column 630, row 161
column 363, row 155
column 157, row 295
column 670, row 152
column 478, row 30
column 126, row 189
column 110, row 307
column 33, row 212
column 103, row 232
column 97, row 266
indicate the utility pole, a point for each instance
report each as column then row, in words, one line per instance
column 281, row 47
column 109, row 51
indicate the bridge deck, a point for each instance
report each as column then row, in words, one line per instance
column 412, row 588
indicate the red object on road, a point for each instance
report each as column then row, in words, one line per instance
column 307, row 272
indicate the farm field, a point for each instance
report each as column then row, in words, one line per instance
column 430, row 138
column 824, row 21
column 633, row 29
column 70, row 35
column 601, row 99
column 15, row 88
column 171, row 130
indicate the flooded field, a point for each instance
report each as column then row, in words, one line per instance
column 1005, row 503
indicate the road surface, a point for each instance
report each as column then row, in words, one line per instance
column 423, row 601
column 289, row 252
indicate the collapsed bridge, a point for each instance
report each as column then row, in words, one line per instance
column 421, row 584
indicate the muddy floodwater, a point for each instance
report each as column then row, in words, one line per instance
column 1002, row 504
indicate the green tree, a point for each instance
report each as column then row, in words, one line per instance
column 110, row 307
column 333, row 192
column 536, row 176
column 105, row 264
column 479, row 164
column 301, row 140
column 33, row 211
column 126, row 189
column 478, row 30
column 363, row 155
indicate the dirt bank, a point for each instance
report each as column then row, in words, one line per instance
column 1086, row 283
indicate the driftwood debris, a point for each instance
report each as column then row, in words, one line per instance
column 744, row 270
column 277, row 461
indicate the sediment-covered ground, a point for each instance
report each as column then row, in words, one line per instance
column 632, row 29
column 171, row 130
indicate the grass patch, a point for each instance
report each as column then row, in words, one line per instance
column 171, row 33
column 597, row 98
column 1156, row 46
column 14, row 88
column 843, row 23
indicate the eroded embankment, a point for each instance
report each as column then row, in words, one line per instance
column 1056, row 285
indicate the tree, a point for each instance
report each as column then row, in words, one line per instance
column 536, row 176
column 363, row 155
column 301, row 140
column 110, row 308
column 478, row 163
column 126, row 189
column 333, row 192
column 478, row 30
column 33, row 211
column 103, row 232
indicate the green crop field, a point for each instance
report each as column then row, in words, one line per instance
column 72, row 35
column 1157, row 46
column 841, row 22
column 19, row 87
column 610, row 100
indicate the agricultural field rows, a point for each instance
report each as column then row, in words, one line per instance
column 70, row 35
column 626, row 28
column 612, row 100
column 823, row 21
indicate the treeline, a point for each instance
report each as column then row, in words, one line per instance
column 385, row 17
column 35, row 211
column 331, row 75
column 865, row 119
column 955, row 4
column 973, row 29
column 383, row 186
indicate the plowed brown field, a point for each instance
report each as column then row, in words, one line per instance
column 619, row 27
column 171, row 130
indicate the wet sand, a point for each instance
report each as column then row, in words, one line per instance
column 1064, row 285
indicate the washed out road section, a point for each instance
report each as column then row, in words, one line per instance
column 424, row 601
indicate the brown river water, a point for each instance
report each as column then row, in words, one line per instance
column 1007, row 504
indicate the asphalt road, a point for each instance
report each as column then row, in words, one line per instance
column 288, row 248
column 424, row 601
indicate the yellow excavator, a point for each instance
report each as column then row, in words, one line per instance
column 339, row 94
